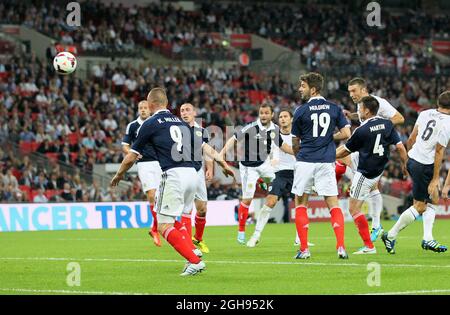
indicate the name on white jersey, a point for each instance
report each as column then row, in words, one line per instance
column 377, row 127
column 319, row 107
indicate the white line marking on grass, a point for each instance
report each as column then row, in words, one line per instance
column 71, row 292
column 409, row 292
column 136, row 260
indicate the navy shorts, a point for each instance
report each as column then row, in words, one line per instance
column 282, row 184
column 421, row 175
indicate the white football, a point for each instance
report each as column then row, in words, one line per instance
column 65, row 63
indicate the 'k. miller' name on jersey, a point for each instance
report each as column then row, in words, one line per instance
column 169, row 119
column 377, row 128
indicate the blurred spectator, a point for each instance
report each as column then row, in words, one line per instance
column 40, row 197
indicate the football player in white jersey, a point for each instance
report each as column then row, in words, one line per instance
column 357, row 89
column 432, row 128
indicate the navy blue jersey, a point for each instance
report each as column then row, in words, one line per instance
column 169, row 136
column 199, row 136
column 314, row 124
column 372, row 140
column 257, row 142
column 148, row 154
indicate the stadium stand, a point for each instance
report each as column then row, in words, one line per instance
column 80, row 122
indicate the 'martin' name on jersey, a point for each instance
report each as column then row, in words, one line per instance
column 377, row 128
column 168, row 119
column 319, row 107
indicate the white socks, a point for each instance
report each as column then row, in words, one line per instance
column 375, row 201
column 407, row 217
column 263, row 217
column 428, row 221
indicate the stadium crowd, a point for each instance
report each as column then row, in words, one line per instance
column 344, row 38
column 81, row 122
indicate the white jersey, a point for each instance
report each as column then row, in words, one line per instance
column 285, row 161
column 433, row 128
column 386, row 110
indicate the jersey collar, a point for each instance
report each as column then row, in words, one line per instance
column 140, row 120
column 261, row 127
column 196, row 125
column 316, row 98
column 371, row 118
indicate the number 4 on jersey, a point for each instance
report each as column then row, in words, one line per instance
column 378, row 148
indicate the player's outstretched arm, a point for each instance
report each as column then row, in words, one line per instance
column 228, row 145
column 350, row 115
column 403, row 156
column 213, row 154
column 125, row 148
column 342, row 152
column 343, row 134
column 433, row 187
column 126, row 164
column 398, row 119
column 412, row 138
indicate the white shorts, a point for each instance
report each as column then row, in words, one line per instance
column 362, row 186
column 176, row 190
column 200, row 192
column 149, row 175
column 320, row 175
column 250, row 175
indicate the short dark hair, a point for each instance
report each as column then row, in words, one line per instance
column 266, row 104
column 444, row 100
column 286, row 110
column 314, row 80
column 357, row 81
column 371, row 103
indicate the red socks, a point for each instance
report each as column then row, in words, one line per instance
column 199, row 227
column 178, row 241
column 363, row 228
column 182, row 229
column 337, row 221
column 243, row 215
column 302, row 224
column 186, row 220
column 155, row 221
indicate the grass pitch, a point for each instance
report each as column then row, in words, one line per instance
column 126, row 262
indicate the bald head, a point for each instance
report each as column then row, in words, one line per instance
column 157, row 99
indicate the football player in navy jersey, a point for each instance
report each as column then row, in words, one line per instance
column 314, row 123
column 371, row 140
column 148, row 167
column 256, row 140
column 171, row 138
column 200, row 139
